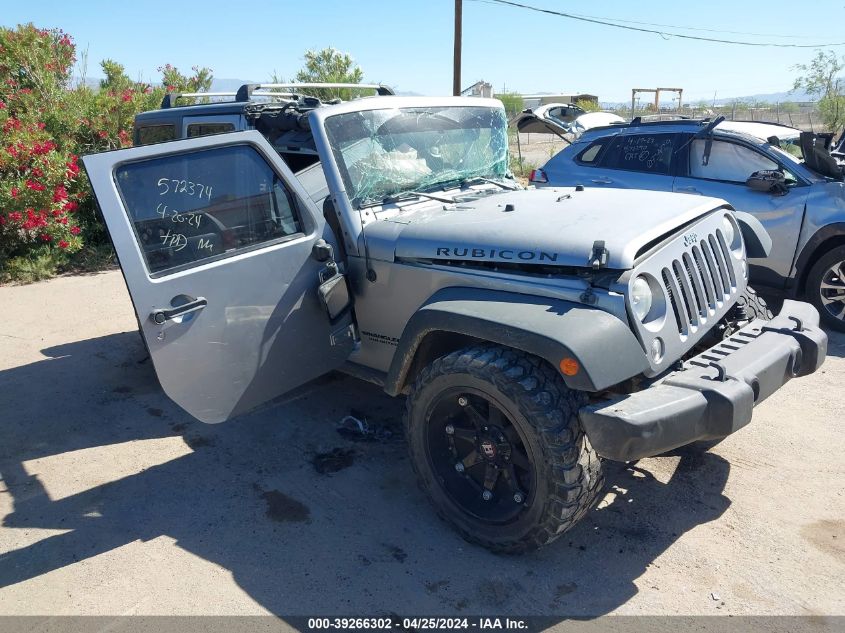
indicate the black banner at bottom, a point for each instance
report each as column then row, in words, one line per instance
column 526, row 624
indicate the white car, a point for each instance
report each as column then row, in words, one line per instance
column 564, row 119
column 789, row 138
column 594, row 119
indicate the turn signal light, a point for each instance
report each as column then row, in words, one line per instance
column 569, row 366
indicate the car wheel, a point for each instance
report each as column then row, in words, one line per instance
column 825, row 288
column 496, row 444
column 750, row 306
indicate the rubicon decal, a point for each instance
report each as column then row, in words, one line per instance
column 505, row 254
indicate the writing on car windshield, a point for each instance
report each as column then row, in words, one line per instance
column 382, row 153
column 186, row 208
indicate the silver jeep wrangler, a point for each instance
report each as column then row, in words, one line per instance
column 534, row 332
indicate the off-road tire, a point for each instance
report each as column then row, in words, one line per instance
column 812, row 289
column 752, row 306
column 749, row 306
column 568, row 471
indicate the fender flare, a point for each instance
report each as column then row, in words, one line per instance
column 604, row 346
column 758, row 242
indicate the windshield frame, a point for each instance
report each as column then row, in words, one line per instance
column 392, row 162
column 352, row 219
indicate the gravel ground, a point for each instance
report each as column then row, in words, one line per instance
column 537, row 149
column 113, row 501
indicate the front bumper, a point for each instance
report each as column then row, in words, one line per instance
column 714, row 393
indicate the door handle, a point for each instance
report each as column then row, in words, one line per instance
column 688, row 190
column 603, row 181
column 159, row 316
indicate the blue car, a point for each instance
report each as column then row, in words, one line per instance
column 798, row 195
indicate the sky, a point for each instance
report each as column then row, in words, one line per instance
column 408, row 43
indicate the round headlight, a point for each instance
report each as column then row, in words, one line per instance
column 641, row 297
column 728, row 230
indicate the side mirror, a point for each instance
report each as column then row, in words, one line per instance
column 767, row 181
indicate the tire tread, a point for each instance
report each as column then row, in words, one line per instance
column 574, row 468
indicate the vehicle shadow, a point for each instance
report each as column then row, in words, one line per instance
column 245, row 495
column 835, row 344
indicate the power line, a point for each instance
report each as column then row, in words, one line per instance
column 675, row 26
column 664, row 34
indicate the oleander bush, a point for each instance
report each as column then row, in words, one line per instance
column 47, row 211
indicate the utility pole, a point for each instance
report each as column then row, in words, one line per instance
column 456, row 76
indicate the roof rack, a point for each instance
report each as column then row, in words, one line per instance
column 638, row 121
column 171, row 98
column 246, row 91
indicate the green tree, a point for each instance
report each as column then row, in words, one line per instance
column 330, row 65
column 820, row 78
column 513, row 102
column 588, row 105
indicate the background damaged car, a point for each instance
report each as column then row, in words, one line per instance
column 792, row 185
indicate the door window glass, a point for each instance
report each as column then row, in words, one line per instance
column 650, row 153
column 727, row 161
column 187, row 208
column 590, row 155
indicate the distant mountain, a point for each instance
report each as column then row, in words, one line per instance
column 769, row 97
column 91, row 82
column 229, row 85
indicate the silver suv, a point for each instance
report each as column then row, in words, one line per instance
column 534, row 333
column 787, row 179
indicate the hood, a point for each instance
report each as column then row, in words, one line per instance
column 545, row 227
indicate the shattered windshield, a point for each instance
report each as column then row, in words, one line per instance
column 383, row 153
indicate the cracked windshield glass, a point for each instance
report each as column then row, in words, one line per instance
column 382, row 154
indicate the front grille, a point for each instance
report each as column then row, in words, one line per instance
column 699, row 282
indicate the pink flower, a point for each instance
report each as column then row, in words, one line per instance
column 63, row 244
column 74, row 230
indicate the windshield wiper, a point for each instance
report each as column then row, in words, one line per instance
column 705, row 132
column 405, row 195
column 477, row 179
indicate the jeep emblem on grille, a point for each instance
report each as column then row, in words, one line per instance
column 690, row 239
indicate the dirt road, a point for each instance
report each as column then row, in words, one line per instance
column 113, row 501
